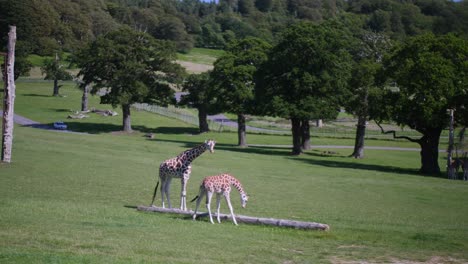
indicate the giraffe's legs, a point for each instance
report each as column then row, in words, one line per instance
column 209, row 195
column 183, row 193
column 218, row 206
column 154, row 194
column 200, row 197
column 165, row 188
column 228, row 201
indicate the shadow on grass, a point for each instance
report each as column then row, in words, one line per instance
column 92, row 128
column 277, row 151
column 357, row 166
column 36, row 95
column 97, row 128
column 61, row 110
column 174, row 130
column 316, row 157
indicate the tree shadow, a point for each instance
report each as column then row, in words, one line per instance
column 174, row 130
column 37, row 95
column 92, row 128
column 61, row 110
column 357, row 166
column 277, row 151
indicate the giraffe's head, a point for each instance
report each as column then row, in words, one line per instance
column 244, row 199
column 210, row 143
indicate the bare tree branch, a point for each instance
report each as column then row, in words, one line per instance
column 393, row 132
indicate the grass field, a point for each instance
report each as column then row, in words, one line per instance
column 201, row 55
column 70, row 198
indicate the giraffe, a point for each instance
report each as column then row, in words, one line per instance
column 221, row 185
column 179, row 167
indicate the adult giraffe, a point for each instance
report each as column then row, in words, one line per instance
column 179, row 167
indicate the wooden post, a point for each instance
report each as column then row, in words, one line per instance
column 9, row 99
column 243, row 219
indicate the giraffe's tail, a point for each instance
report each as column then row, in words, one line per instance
column 196, row 197
column 155, row 191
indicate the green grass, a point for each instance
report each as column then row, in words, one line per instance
column 201, row 55
column 70, row 198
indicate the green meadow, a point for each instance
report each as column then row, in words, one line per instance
column 71, row 197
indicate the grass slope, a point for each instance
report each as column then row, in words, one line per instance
column 70, row 198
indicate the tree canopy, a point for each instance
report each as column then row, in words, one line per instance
column 306, row 74
column 430, row 75
column 199, row 95
column 45, row 26
column 233, row 78
column 130, row 67
column 54, row 70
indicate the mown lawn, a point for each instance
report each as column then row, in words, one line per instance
column 70, row 198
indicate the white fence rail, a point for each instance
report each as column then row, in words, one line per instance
column 177, row 113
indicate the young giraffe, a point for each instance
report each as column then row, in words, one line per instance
column 219, row 184
column 179, row 167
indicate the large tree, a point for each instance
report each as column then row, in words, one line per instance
column 54, row 69
column 431, row 76
column 197, row 87
column 233, row 79
column 130, row 67
column 367, row 54
column 306, row 76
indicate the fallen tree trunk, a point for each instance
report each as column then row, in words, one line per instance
column 243, row 218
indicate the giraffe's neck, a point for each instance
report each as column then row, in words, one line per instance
column 191, row 154
column 236, row 183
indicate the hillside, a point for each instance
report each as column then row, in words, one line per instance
column 45, row 26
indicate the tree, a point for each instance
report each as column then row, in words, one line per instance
column 368, row 54
column 55, row 70
column 197, row 87
column 131, row 67
column 305, row 76
column 233, row 79
column 431, row 73
column 9, row 97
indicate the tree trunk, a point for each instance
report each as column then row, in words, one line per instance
column 451, row 164
column 359, row 141
column 296, row 134
column 202, row 120
column 241, row 130
column 84, row 98
column 319, row 123
column 430, row 151
column 56, row 88
column 305, row 137
column 127, row 124
column 9, row 99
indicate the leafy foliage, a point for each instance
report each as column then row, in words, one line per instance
column 54, row 70
column 306, row 73
column 430, row 73
column 233, row 74
column 131, row 66
column 431, row 76
column 46, row 26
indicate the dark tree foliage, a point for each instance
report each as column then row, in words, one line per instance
column 430, row 73
column 233, row 79
column 47, row 26
column 55, row 70
column 200, row 96
column 130, row 67
column 306, row 75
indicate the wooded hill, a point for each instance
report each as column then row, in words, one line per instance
column 45, row 26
